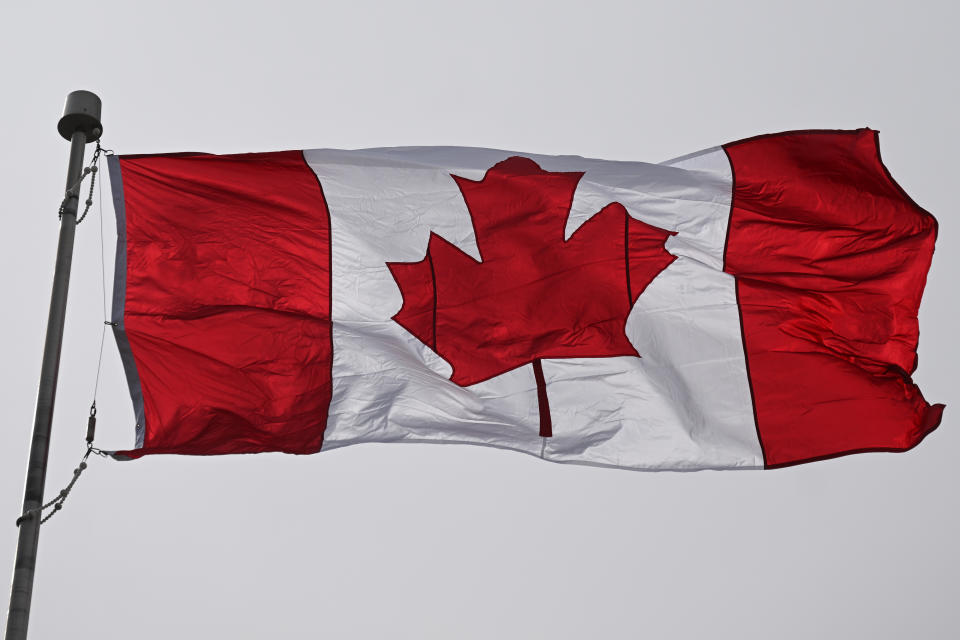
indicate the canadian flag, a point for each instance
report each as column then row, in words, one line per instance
column 752, row 305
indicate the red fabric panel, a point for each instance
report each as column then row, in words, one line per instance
column 228, row 302
column 831, row 258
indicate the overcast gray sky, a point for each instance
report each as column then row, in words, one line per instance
column 422, row 541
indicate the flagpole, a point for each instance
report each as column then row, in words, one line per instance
column 80, row 124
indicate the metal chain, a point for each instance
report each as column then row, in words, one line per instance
column 57, row 503
column 89, row 201
column 74, row 190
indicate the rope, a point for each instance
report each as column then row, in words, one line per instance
column 103, row 289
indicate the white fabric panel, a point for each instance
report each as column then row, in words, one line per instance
column 684, row 405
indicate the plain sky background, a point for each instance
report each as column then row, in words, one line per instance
column 424, row 541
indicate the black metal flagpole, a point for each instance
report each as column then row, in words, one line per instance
column 80, row 124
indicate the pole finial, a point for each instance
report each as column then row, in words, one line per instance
column 81, row 113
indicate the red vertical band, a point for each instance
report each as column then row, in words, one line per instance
column 831, row 258
column 227, row 308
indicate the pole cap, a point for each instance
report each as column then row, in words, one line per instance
column 81, row 113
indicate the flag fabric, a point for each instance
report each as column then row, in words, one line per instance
column 752, row 305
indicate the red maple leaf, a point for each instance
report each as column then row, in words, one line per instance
column 533, row 295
